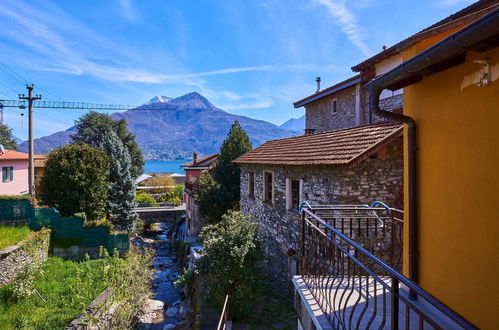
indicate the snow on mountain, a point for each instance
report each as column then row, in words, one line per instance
column 159, row 99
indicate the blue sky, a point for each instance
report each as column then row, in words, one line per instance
column 249, row 57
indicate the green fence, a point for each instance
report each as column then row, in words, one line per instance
column 66, row 231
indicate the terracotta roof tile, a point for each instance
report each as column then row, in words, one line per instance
column 202, row 162
column 16, row 155
column 339, row 147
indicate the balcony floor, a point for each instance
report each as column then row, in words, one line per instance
column 354, row 304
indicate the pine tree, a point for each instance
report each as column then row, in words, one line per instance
column 6, row 137
column 121, row 184
column 227, row 173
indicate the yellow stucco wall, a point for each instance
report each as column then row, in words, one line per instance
column 458, row 165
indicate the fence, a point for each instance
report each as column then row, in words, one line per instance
column 353, row 287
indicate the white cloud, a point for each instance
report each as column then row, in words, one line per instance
column 347, row 21
column 128, row 10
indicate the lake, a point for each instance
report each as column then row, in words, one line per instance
column 160, row 166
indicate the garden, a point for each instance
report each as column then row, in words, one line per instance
column 51, row 296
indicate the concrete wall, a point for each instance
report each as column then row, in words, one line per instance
column 19, row 183
column 371, row 180
column 458, row 156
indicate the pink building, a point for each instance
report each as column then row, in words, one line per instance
column 14, row 166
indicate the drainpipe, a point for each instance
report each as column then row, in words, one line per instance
column 374, row 94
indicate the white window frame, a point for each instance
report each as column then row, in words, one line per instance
column 264, row 197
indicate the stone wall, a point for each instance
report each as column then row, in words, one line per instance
column 280, row 229
column 31, row 251
column 352, row 110
column 319, row 114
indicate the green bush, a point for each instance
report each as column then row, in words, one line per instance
column 229, row 263
column 75, row 180
column 146, row 199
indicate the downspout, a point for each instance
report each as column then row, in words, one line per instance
column 374, row 94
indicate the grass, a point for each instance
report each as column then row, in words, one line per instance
column 67, row 287
column 12, row 235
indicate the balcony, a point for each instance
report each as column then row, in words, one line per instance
column 350, row 273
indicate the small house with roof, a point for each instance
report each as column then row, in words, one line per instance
column 14, row 166
column 193, row 170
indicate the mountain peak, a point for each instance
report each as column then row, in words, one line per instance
column 159, row 99
column 193, row 100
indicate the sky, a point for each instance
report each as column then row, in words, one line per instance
column 248, row 57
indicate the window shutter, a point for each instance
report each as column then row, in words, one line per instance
column 11, row 173
column 4, row 174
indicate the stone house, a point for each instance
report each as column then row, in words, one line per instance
column 193, row 170
column 343, row 105
column 356, row 165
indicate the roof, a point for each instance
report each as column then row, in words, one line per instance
column 16, row 155
column 463, row 16
column 480, row 35
column 143, row 177
column 328, row 91
column 203, row 162
column 177, row 175
column 338, row 147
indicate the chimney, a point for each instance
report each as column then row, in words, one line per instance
column 318, row 80
column 309, row 131
column 194, row 158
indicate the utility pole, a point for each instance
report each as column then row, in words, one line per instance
column 31, row 169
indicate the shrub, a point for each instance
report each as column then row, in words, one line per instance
column 145, row 198
column 228, row 263
column 75, row 180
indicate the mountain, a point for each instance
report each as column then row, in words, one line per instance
column 168, row 129
column 296, row 125
column 159, row 98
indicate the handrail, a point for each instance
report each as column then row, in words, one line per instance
column 396, row 276
column 222, row 324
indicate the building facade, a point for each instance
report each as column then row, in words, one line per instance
column 356, row 166
column 14, row 166
column 456, row 113
column 193, row 169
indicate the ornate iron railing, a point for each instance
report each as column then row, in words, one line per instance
column 354, row 281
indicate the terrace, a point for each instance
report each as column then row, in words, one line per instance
column 350, row 273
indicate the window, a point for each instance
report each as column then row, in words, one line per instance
column 251, row 185
column 7, row 173
column 334, row 107
column 293, row 194
column 268, row 187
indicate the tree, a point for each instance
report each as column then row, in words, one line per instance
column 6, row 137
column 229, row 262
column 75, row 180
column 121, row 184
column 207, row 197
column 227, row 173
column 92, row 127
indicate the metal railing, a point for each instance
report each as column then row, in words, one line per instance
column 354, row 282
column 225, row 323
